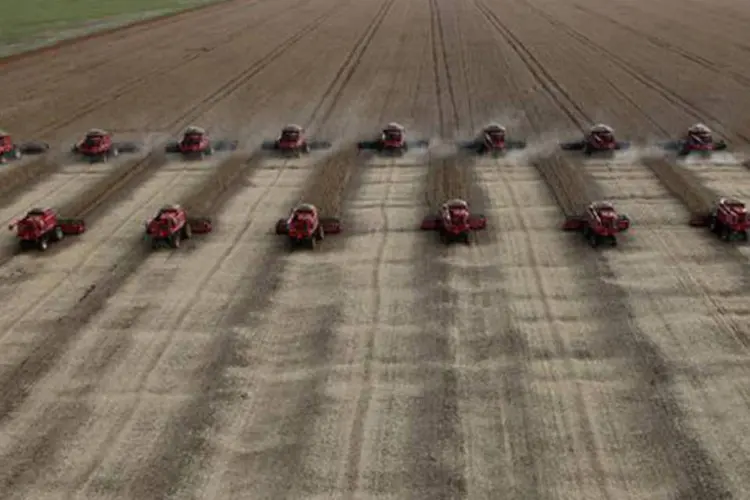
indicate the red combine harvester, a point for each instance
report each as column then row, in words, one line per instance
column 305, row 227
column 393, row 141
column 455, row 222
column 10, row 151
column 292, row 141
column 97, row 145
column 493, row 140
column 41, row 226
column 599, row 223
column 599, row 140
column 197, row 144
column 728, row 220
column 698, row 139
column 171, row 225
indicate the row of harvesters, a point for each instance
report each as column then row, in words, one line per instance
column 169, row 227
column 195, row 143
column 600, row 223
column 305, row 227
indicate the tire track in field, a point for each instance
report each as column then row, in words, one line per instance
column 664, row 44
column 166, row 471
column 657, row 402
column 131, row 31
column 37, row 452
column 440, row 61
column 436, row 425
column 142, row 78
column 159, row 482
column 141, row 168
column 357, row 437
column 638, row 75
column 681, row 183
column 212, row 194
column 15, row 387
column 40, row 167
column 500, row 340
column 43, row 357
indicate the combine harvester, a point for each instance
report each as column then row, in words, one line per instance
column 580, row 198
column 726, row 217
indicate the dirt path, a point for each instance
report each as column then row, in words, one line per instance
column 384, row 364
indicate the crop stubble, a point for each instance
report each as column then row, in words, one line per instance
column 286, row 378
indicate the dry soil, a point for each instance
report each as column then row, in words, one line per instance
column 383, row 365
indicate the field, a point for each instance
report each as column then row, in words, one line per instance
column 34, row 22
column 383, row 365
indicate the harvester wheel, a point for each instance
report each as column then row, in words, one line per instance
column 58, row 234
column 593, row 239
column 321, row 234
column 175, row 240
column 42, row 244
column 187, row 232
column 311, row 243
column 713, row 225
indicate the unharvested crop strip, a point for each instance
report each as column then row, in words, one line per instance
column 241, row 79
column 15, row 383
column 16, row 178
column 700, row 475
column 437, row 416
column 325, row 188
column 127, row 175
column 139, row 169
column 42, row 167
column 436, row 419
column 502, row 337
column 353, row 472
column 211, row 195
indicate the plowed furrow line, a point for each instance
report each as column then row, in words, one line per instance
column 321, row 114
column 241, row 79
column 698, row 473
column 43, row 166
column 662, row 43
column 449, row 118
column 554, row 90
column 143, row 77
column 325, row 188
column 648, row 81
column 140, row 169
column 102, row 55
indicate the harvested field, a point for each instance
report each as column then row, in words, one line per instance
column 384, row 364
